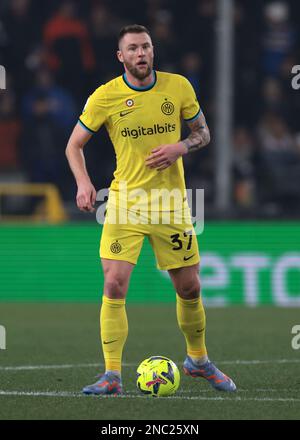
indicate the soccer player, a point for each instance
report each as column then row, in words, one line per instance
column 142, row 111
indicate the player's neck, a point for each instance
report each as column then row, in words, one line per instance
column 140, row 83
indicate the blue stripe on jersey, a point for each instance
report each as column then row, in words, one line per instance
column 140, row 89
column 84, row 126
column 195, row 117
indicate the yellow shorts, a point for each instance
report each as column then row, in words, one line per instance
column 174, row 245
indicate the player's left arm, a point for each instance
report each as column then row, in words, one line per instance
column 199, row 136
column 164, row 156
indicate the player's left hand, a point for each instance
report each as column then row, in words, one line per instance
column 164, row 156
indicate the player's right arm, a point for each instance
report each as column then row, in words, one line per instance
column 86, row 193
column 91, row 119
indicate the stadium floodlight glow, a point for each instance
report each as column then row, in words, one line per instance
column 2, row 78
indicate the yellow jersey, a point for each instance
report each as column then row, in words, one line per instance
column 139, row 120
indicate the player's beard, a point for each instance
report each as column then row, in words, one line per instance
column 137, row 73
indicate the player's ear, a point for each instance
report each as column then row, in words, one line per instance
column 120, row 56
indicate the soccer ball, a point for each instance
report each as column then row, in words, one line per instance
column 158, row 376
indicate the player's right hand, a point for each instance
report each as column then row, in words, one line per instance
column 86, row 197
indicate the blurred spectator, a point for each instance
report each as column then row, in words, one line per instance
column 10, row 127
column 278, row 39
column 197, row 31
column 165, row 42
column 70, row 53
column 275, row 136
column 20, row 38
column 246, row 59
column 279, row 162
column 191, row 64
column 198, row 26
column 49, row 114
column 272, row 97
column 104, row 31
column 243, row 167
column 46, row 99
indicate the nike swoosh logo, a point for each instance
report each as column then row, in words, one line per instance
column 188, row 258
column 109, row 342
column 125, row 113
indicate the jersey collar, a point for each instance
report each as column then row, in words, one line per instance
column 141, row 89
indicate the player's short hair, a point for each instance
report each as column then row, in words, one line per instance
column 132, row 29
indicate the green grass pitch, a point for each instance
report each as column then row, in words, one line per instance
column 53, row 351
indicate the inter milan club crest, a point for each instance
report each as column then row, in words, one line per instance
column 167, row 107
column 129, row 102
column 115, row 247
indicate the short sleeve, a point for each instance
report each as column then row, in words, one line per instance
column 190, row 108
column 94, row 113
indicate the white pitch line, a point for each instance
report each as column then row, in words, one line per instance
column 258, row 362
column 133, row 396
column 92, row 365
column 241, row 390
column 48, row 367
column 40, row 393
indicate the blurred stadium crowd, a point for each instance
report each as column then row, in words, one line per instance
column 57, row 52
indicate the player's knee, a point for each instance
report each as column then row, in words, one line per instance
column 115, row 288
column 190, row 289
